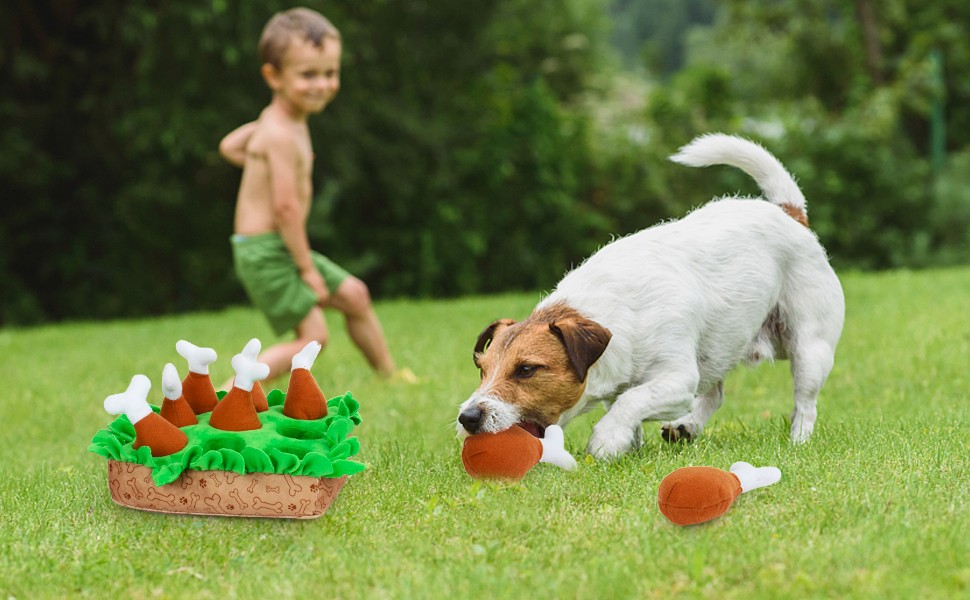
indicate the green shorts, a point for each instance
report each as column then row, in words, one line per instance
column 266, row 270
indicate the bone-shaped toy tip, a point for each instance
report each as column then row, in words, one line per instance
column 304, row 358
column 171, row 384
column 554, row 449
column 248, row 371
column 752, row 477
column 252, row 349
column 199, row 359
column 133, row 402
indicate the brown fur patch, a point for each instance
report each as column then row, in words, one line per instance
column 527, row 364
column 795, row 213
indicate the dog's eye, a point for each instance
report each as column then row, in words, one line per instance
column 525, row 371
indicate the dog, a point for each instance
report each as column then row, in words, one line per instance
column 652, row 323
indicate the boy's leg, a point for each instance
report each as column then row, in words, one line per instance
column 352, row 298
column 279, row 357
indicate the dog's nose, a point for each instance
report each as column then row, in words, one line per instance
column 471, row 419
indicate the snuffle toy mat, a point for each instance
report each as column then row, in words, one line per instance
column 243, row 453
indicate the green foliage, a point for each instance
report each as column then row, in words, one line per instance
column 852, row 126
column 472, row 148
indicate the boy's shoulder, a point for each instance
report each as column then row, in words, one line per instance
column 273, row 134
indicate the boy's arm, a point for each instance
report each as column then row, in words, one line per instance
column 290, row 212
column 233, row 146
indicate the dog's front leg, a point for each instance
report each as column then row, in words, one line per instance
column 660, row 399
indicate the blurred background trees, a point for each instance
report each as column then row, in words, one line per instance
column 475, row 147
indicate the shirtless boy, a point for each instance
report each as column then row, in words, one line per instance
column 291, row 284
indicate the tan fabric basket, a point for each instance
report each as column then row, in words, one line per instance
column 223, row 493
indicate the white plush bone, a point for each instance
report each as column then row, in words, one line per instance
column 171, row 384
column 248, row 371
column 554, row 449
column 752, row 477
column 304, row 358
column 252, row 349
column 199, row 358
column 133, row 402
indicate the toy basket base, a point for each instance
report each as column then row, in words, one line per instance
column 223, row 493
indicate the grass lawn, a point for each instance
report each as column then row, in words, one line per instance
column 875, row 506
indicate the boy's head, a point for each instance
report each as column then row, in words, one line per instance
column 300, row 53
column 294, row 24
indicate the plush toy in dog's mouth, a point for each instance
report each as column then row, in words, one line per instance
column 534, row 428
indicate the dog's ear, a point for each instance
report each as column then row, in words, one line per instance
column 584, row 340
column 486, row 336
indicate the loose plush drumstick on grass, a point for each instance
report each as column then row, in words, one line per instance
column 692, row 495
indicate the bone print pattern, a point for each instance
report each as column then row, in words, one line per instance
column 224, row 493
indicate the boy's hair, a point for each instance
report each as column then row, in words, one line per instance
column 284, row 26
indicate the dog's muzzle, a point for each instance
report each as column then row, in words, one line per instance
column 471, row 419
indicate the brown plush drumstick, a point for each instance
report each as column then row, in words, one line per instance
column 151, row 430
column 692, row 495
column 197, row 385
column 251, row 351
column 175, row 408
column 510, row 454
column 236, row 412
column 304, row 398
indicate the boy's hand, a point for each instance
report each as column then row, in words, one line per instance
column 315, row 282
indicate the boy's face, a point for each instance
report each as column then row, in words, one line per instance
column 309, row 77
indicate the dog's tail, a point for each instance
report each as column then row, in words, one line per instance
column 778, row 185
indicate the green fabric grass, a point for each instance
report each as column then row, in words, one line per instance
column 319, row 448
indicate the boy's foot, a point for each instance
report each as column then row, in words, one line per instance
column 403, row 375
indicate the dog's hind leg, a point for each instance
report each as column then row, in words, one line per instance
column 810, row 367
column 691, row 426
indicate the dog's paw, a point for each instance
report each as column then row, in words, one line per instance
column 679, row 431
column 609, row 441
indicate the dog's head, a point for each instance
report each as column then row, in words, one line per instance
column 532, row 371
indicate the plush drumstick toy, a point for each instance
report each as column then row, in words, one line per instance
column 197, row 385
column 251, row 351
column 236, row 411
column 175, row 408
column 151, row 430
column 304, row 398
column 508, row 455
column 692, row 495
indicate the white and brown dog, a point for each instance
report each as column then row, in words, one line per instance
column 652, row 323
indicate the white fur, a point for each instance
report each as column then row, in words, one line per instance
column 686, row 301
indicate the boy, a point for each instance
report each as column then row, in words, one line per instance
column 300, row 54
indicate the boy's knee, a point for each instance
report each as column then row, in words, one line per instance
column 356, row 296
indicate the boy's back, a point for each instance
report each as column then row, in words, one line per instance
column 278, row 147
